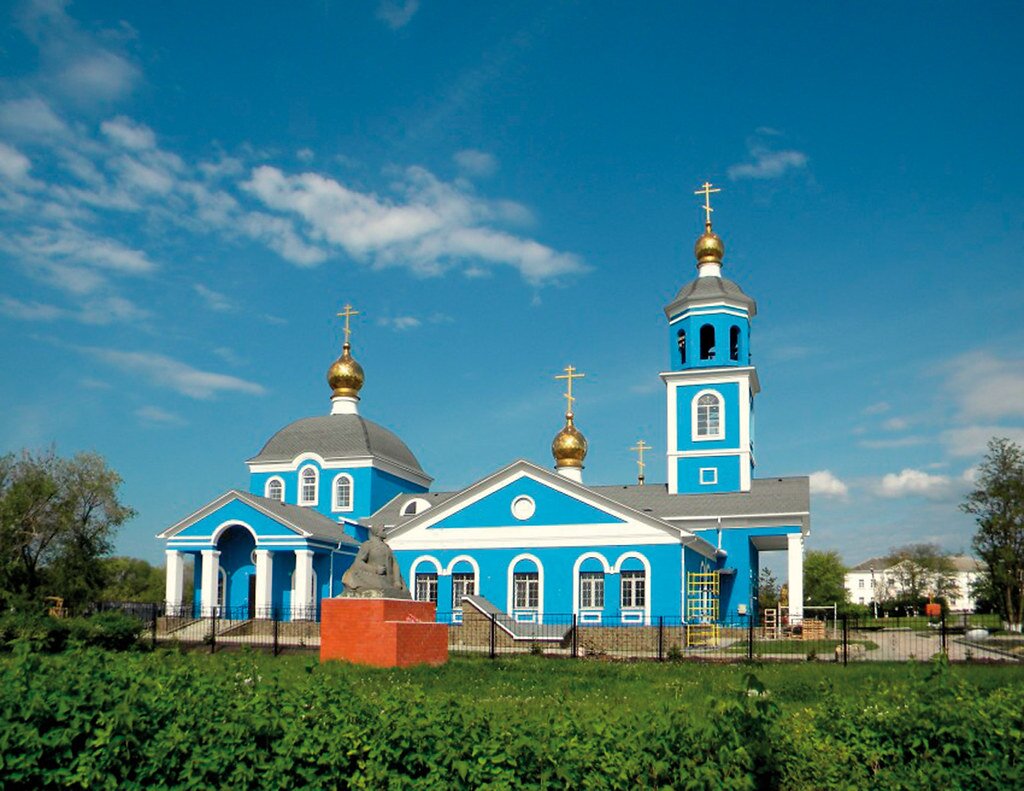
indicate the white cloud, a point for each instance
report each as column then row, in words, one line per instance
column 877, row 409
column 14, row 166
column 987, row 387
column 99, row 75
column 826, row 484
column 111, row 309
column 166, row 372
column 305, row 155
column 895, row 424
column 910, row 482
column 476, row 163
column 897, row 442
column 767, row 163
column 214, row 299
column 437, row 224
column 397, row 13
column 400, row 323
column 72, row 244
column 280, row 236
column 973, row 440
column 31, row 118
column 129, row 134
column 28, row 311
column 155, row 415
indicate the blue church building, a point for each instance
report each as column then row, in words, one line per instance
column 530, row 541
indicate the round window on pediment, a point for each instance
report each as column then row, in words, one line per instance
column 523, row 507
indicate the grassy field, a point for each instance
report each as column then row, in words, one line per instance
column 91, row 718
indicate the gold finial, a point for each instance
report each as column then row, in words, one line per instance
column 640, row 447
column 345, row 376
column 569, row 375
column 348, row 313
column 706, row 190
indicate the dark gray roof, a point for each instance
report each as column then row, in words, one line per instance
column 304, row 519
column 710, row 288
column 334, row 437
column 519, row 630
column 766, row 496
column 878, row 564
column 390, row 514
column 959, row 562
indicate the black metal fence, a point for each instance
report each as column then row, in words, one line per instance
column 961, row 637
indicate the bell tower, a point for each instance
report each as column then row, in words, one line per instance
column 710, row 383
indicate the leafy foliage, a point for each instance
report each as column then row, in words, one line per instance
column 916, row 572
column 767, row 590
column 135, row 580
column 997, row 504
column 91, row 718
column 824, row 579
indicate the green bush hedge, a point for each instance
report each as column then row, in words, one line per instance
column 91, row 718
column 112, row 630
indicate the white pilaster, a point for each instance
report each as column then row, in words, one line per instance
column 572, row 473
column 210, row 581
column 344, row 405
column 709, row 269
column 264, row 583
column 795, row 562
column 302, row 595
column 175, row 580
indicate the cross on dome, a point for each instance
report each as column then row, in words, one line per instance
column 569, row 375
column 706, row 190
column 348, row 313
column 640, row 447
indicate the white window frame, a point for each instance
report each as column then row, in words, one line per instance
column 429, row 579
column 695, row 410
column 335, row 504
column 526, row 583
column 302, row 486
column 266, row 488
column 633, row 596
column 591, row 590
column 463, row 584
column 708, row 480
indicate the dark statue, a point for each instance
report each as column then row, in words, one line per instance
column 375, row 574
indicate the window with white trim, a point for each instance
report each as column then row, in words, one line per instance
column 307, row 486
column 708, row 417
column 591, row 590
column 463, row 584
column 708, row 475
column 426, row 586
column 707, row 342
column 274, row 490
column 526, row 590
column 634, row 589
column 343, row 492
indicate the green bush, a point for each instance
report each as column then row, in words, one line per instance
column 43, row 633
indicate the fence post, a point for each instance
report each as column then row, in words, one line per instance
column 575, row 636
column 661, row 638
column 493, row 626
column 213, row 630
column 152, row 625
column 846, row 639
column 275, row 620
column 942, row 630
column 750, row 638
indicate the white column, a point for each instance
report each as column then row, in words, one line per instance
column 175, row 581
column 210, row 581
column 264, row 583
column 795, row 561
column 572, row 473
column 302, row 595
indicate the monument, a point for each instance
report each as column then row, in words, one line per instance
column 375, row 620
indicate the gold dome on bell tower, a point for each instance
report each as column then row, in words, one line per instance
column 709, row 249
column 569, row 447
column 345, row 376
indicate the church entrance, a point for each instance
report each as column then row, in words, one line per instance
column 252, row 596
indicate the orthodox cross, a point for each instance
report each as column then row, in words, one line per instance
column 348, row 313
column 640, row 447
column 569, row 375
column 706, row 190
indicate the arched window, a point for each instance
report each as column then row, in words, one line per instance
column 307, row 486
column 634, row 589
column 343, row 492
column 707, row 417
column 734, row 343
column 707, row 342
column 274, row 490
column 682, row 346
column 463, row 584
column 426, row 586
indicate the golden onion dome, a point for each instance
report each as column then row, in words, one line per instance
column 569, row 447
column 709, row 248
column 345, row 376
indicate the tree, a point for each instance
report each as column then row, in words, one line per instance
column 916, row 572
column 767, row 590
column 58, row 517
column 824, row 579
column 997, row 504
column 132, row 579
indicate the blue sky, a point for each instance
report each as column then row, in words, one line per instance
column 189, row 193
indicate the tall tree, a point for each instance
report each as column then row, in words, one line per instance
column 58, row 517
column 917, row 571
column 132, row 579
column 767, row 590
column 824, row 579
column 997, row 504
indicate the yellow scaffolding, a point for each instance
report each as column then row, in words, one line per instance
column 702, row 588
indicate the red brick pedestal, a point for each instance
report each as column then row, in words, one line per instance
column 382, row 632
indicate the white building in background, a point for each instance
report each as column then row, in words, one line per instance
column 871, row 581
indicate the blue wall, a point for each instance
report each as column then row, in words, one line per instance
column 730, row 392
column 723, row 323
column 688, row 474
